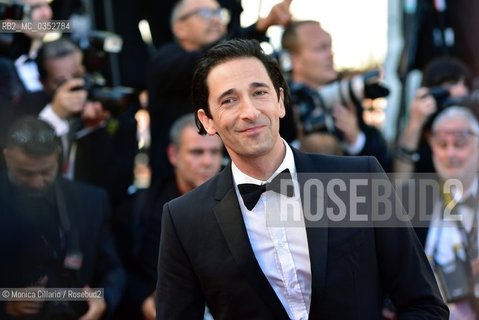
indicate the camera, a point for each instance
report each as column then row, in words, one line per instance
column 454, row 277
column 114, row 99
column 315, row 108
column 441, row 96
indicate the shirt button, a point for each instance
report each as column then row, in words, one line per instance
column 293, row 284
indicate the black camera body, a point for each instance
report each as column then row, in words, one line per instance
column 441, row 95
column 114, row 99
column 315, row 106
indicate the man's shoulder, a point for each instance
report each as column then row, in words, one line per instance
column 335, row 164
column 200, row 195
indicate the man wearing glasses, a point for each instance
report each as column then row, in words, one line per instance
column 197, row 25
column 452, row 236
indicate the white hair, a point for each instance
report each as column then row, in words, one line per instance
column 457, row 112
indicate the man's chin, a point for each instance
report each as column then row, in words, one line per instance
column 34, row 193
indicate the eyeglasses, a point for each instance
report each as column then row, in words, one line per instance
column 208, row 14
column 460, row 138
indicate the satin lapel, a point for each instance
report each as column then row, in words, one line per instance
column 229, row 217
column 317, row 235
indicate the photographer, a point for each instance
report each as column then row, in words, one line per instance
column 444, row 78
column 309, row 47
column 53, row 232
column 80, row 123
column 451, row 241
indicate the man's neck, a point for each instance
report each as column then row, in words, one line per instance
column 262, row 167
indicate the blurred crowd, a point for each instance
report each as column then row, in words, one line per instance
column 72, row 144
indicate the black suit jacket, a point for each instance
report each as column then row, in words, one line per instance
column 27, row 256
column 206, row 257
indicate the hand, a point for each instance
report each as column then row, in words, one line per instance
column 93, row 114
column 26, row 308
column 278, row 15
column 421, row 108
column 96, row 308
column 346, row 121
column 66, row 101
column 148, row 308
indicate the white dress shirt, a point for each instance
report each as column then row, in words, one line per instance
column 280, row 248
column 28, row 72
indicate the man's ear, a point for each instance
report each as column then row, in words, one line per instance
column 282, row 111
column 206, row 122
column 179, row 30
column 172, row 152
column 7, row 157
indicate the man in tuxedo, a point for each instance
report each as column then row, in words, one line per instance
column 219, row 248
column 54, row 232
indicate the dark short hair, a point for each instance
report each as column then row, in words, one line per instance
column 180, row 124
column 445, row 69
column 53, row 50
column 226, row 51
column 33, row 136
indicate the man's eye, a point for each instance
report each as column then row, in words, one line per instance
column 228, row 101
column 197, row 152
column 260, row 93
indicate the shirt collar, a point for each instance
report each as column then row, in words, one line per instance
column 471, row 191
column 287, row 163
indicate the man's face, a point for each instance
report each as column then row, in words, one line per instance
column 195, row 30
column 62, row 69
column 457, row 89
column 34, row 174
column 314, row 64
column 40, row 10
column 455, row 149
column 196, row 159
column 245, row 108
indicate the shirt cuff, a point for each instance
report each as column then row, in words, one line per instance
column 60, row 125
column 357, row 146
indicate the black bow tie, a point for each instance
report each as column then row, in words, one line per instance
column 252, row 192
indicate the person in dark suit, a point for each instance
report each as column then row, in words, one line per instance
column 196, row 159
column 50, row 235
column 89, row 145
column 219, row 248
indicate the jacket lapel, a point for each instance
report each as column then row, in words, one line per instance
column 317, row 234
column 230, row 220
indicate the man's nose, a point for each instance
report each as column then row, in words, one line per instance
column 450, row 150
column 248, row 109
